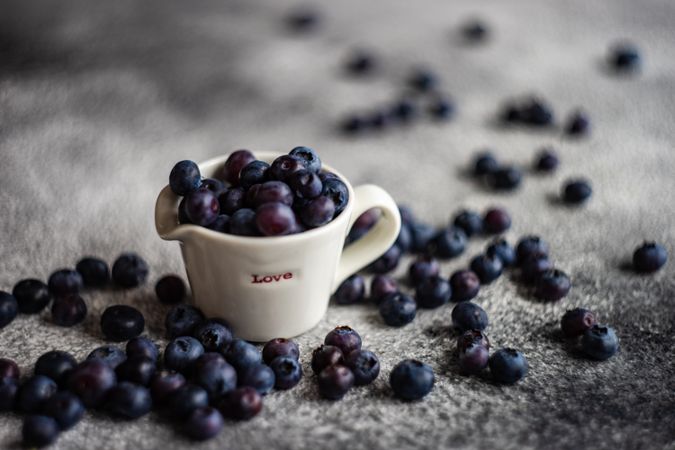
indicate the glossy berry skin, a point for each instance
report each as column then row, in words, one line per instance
column 91, row 380
column 488, row 268
column 170, row 289
column 350, row 291
column 213, row 185
column 575, row 322
column 8, row 390
column 501, row 249
column 184, row 400
column 473, row 359
column 324, row 356
column 204, row 423
column 337, row 191
column 66, row 408
column 433, row 292
column 185, row 178
column 94, row 271
column 576, row 191
column 137, row 369
column 469, row 316
column 505, row 178
column 344, row 338
column 552, row 285
column 259, row 376
column 507, row 366
column 9, row 370
column 243, row 403
column 164, row 383
column 280, row 347
column 381, row 286
column 411, row 380
column 533, row 268
column 599, row 342
column 398, row 309
column 202, row 207
column 649, row 257
column 423, row 268
column 275, row 219
column 465, row 285
column 31, row 295
column 232, row 200
column 546, row 161
column 68, row 310
column 530, row 246
column 129, row 270
column 39, row 431
column 142, row 346
column 109, row 354
column 215, row 375
column 182, row 320
column 9, row 308
column 387, row 262
column 484, row 163
column 34, row 393
column 449, row 242
column 254, row 172
column 287, row 372
column 234, row 163
column 213, row 336
column 270, row 192
column 242, row 355
column 243, row 223
column 181, row 353
column 64, row 282
column 55, row 365
column 305, row 184
column 625, row 58
column 309, row 156
column 471, row 338
column 578, row 124
column 335, row 381
column 496, row 221
column 365, row 366
column 284, row 166
column 122, row 322
column 318, row 211
column 469, row 221
column 128, row 401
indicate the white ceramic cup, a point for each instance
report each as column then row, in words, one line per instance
column 268, row 287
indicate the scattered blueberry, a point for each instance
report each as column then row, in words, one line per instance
column 242, row 355
column 180, row 403
column 34, row 393
column 280, row 347
column 122, row 322
column 185, row 178
column 387, row 262
column 469, row 316
column 215, row 375
column 108, row 354
column 350, row 291
column 433, row 292
column 56, row 365
column 31, row 295
column 353, row 124
column 204, row 423
column 423, row 268
column 381, row 286
column 576, row 191
column 465, row 285
column 469, row 221
column 411, row 380
column 488, row 268
column 234, row 163
column 164, row 383
column 94, row 271
column 128, row 400
column 243, row 403
column 364, row 365
column 9, row 369
column 532, row 268
column 575, row 322
column 578, row 124
column 449, row 242
column 213, row 336
column 474, row 31
column 508, row 365
column 345, row 338
column 470, row 338
column 473, row 359
column 505, row 178
column 8, row 390
column 546, row 161
column 335, row 381
column 181, row 320
column 91, row 380
column 422, row 80
column 9, row 308
column 599, row 342
column 66, row 408
column 305, row 184
column 501, row 249
column 137, row 369
column 129, row 270
column 442, row 109
column 64, row 282
column 533, row 111
column 287, row 372
column 325, row 356
column 181, row 353
column 360, row 62
column 303, row 20
column 68, row 310
column 625, row 58
column 202, row 208
column 496, row 221
column 484, row 163
column 39, row 431
column 529, row 247
column 259, row 376
column 552, row 285
column 397, row 309
column 649, row 257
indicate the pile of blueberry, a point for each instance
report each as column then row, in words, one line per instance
column 254, row 198
column 595, row 341
column 507, row 365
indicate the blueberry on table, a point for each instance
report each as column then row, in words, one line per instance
column 365, row 366
column 465, row 285
column 335, row 381
column 470, row 338
column 9, row 369
column 287, row 372
column 164, row 383
column 575, row 322
column 496, row 221
column 411, row 379
column 387, row 262
column 532, row 268
column 529, row 247
column 39, row 431
column 128, row 401
column 324, row 356
column 204, row 423
column 242, row 355
column 337, row 191
column 501, row 249
column 233, row 165
column 421, row 234
column 9, row 308
column 34, row 393
column 215, row 375
column 243, row 223
column 448, row 242
column 129, row 270
column 624, row 58
column 442, row 108
column 475, row 31
column 381, row 286
column 311, row 158
column 122, row 322
column 473, row 359
column 354, row 124
column 137, row 369
column 202, row 208
column 8, row 390
column 484, row 163
column 94, row 271
column 535, row 112
column 488, row 268
column 64, row 282
column 345, row 338
column 181, row 353
column 576, row 191
column 507, row 366
column 109, row 354
column 91, row 380
column 469, row 221
column 259, row 376
column 552, row 285
column 142, row 346
column 66, row 408
column 398, row 309
column 213, row 336
column 422, row 80
column 352, row 290
column 433, row 292
column 649, row 257
column 232, row 200
column 181, row 320
column 68, row 310
column 578, row 124
column 31, row 296
column 185, row 178
column 423, row 268
column 505, row 178
column 275, row 219
column 599, row 342
column 280, row 347
column 469, row 316
column 546, row 161
column 360, row 62
column 183, row 401
column 56, row 365
column 303, row 20
column 243, row 403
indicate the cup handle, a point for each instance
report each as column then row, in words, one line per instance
column 378, row 239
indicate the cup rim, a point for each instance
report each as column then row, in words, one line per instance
column 211, row 164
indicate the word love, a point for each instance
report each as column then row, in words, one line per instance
column 271, row 278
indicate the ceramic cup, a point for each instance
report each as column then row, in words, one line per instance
column 268, row 287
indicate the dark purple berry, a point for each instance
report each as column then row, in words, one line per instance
column 422, row 80
column 254, row 172
column 325, row 356
column 488, row 268
column 201, row 207
column 533, row 268
column 364, row 365
column 181, row 353
column 242, row 355
column 66, row 408
column 344, row 338
column 180, row 403
column 578, row 124
column 280, row 347
column 68, row 310
column 284, row 166
column 234, row 163
column 404, row 239
column 552, row 285
column 505, row 178
column 469, row 316
column 9, row 369
column 164, row 383
column 599, row 342
column 501, row 249
column 474, row 31
column 397, row 309
column 170, row 289
column 433, row 292
column 484, row 163
column 128, row 401
column 142, row 346
column 39, row 431
column 56, row 365
column 232, row 200
column 34, row 393
column 403, row 111
column 94, row 271
column 185, row 178
column 411, row 380
column 421, row 235
column 529, row 247
column 423, row 268
column 271, row 192
column 465, row 285
column 136, row 369
column 442, row 108
column 8, row 390
column 129, row 270
column 353, row 124
column 221, row 224
column 352, row 290
column 387, row 262
column 204, row 423
column 108, row 354
column 215, row 375
column 649, row 257
column 546, row 161
column 9, row 308
column 309, row 156
column 469, row 221
column 496, row 221
column 508, row 365
column 360, row 62
column 535, row 112
column 470, row 338
column 287, row 372
column 64, row 282
column 473, row 359
column 182, row 212
column 575, row 322
column 259, row 376
column 213, row 185
column 122, row 322
column 242, row 223
column 576, row 191
column 337, row 191
column 181, row 320
column 624, row 58
column 335, row 381
column 91, row 380
column 243, row 403
column 381, row 286
column 31, row 295
column 275, row 219
column 213, row 336
column 319, row 211
column 449, row 242
column 303, row 20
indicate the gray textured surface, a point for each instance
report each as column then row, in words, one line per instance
column 99, row 99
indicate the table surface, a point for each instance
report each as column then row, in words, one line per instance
column 98, row 101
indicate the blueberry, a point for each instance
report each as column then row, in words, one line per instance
column 142, row 346
column 182, row 212
column 470, row 338
column 181, row 320
column 31, row 295
column 350, row 291
column 433, row 292
column 258, row 376
column 275, row 219
column 213, row 185
column 284, row 166
column 232, row 200
column 243, row 403
column 242, row 223
column 180, row 403
column 496, row 221
column 465, row 285
column 345, row 338
column 122, row 322
column 501, row 249
column 398, row 309
column 66, row 408
column 234, row 163
column 576, row 191
column 599, row 342
column 484, row 163
column 137, row 369
column 505, row 178
column 530, row 246
column 552, row 285
column 9, row 369
column 535, row 112
column 39, row 431
column 164, row 383
column 381, row 286
column 280, row 347
column 242, row 355
column 578, row 124
column 181, row 353
column 624, row 58
column 353, row 124
column 337, row 191
column 546, row 161
column 421, row 234
column 34, row 393
column 474, row 31
column 411, row 379
column 128, row 401
column 215, row 375
column 324, row 356
column 365, row 366
column 309, row 156
column 510, row 113
column 335, row 381
column 449, row 242
column 202, row 207
column 9, row 308
column 508, row 365
column 360, row 62
column 185, row 178
column 129, row 270
column 423, row 268
column 575, row 322
column 404, row 239
column 442, row 108
column 387, row 262
column 287, row 372
column 533, row 268
column 109, row 354
column 65, row 281
column 270, row 192
column 56, row 365
column 649, row 257
column 91, row 380
column 213, row 336
column 469, row 221
column 305, row 184
column 68, row 310
column 469, row 316
column 422, row 80
column 303, row 20
column 94, row 271
column 473, row 359
column 204, row 423
column 221, row 224
column 8, row 390
column 488, row 268
column 403, row 111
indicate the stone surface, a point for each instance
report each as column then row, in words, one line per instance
column 99, row 99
